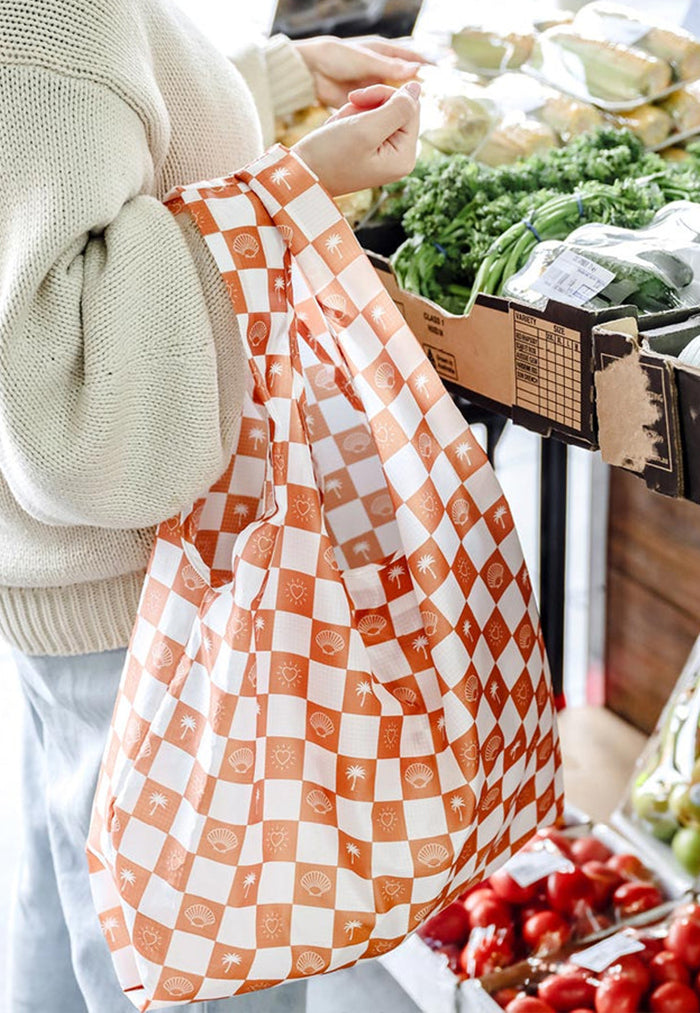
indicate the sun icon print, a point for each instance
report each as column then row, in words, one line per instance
column 277, row 838
column 387, row 819
column 283, row 755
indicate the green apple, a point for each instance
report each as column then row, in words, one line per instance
column 684, row 803
column 686, row 848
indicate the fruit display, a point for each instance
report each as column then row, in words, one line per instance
column 663, row 800
column 651, row 969
column 558, row 889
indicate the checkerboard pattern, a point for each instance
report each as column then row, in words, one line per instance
column 335, row 712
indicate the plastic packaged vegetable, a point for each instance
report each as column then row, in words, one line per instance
column 566, row 116
column 684, row 108
column 483, row 50
column 598, row 266
column 617, row 23
column 651, row 124
column 456, row 114
column 610, row 74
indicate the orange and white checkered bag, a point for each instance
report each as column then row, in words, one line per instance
column 335, row 713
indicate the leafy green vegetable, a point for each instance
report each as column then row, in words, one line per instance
column 459, row 215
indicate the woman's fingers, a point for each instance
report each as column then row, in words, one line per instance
column 372, row 96
column 393, row 49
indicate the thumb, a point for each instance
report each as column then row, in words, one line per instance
column 397, row 112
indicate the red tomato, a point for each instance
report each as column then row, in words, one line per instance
column 683, row 939
column 487, row 956
column 629, row 866
column 449, row 926
column 688, row 911
column 604, row 881
column 484, row 892
column 633, row 898
column 566, row 889
column 652, row 944
column 557, row 838
column 617, row 995
column 545, row 932
column 567, row 991
column 537, row 905
column 589, row 849
column 667, row 966
column 491, row 911
column 673, row 997
column 528, row 1004
column 505, row 887
column 632, row 967
column 504, row 996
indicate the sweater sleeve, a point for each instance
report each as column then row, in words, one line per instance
column 278, row 78
column 120, row 396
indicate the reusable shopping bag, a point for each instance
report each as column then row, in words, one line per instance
column 335, row 713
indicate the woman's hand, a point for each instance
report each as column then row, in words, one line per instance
column 339, row 67
column 370, row 141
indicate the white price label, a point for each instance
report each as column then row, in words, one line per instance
column 573, row 279
column 477, row 998
column 528, row 866
column 606, row 952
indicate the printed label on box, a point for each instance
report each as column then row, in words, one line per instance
column 443, row 363
column 547, row 369
column 573, row 279
column 606, row 952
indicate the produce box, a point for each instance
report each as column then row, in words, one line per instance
column 534, row 366
column 648, row 404
column 660, row 812
column 433, row 976
column 652, row 966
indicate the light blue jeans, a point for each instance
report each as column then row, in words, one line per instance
column 58, row 960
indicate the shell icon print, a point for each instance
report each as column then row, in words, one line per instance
column 334, row 600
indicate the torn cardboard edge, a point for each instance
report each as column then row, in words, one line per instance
column 638, row 425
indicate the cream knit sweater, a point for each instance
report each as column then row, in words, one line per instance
column 121, row 369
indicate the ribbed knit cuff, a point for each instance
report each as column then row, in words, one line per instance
column 291, row 83
column 76, row 619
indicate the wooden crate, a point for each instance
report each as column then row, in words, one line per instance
column 653, row 596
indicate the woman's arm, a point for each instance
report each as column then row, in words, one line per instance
column 121, row 369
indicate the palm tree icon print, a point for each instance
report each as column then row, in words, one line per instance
column 279, row 176
column 157, row 801
column 426, row 564
column 353, row 773
column 188, row 724
column 230, row 960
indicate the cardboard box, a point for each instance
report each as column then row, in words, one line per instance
column 648, row 406
column 534, row 366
